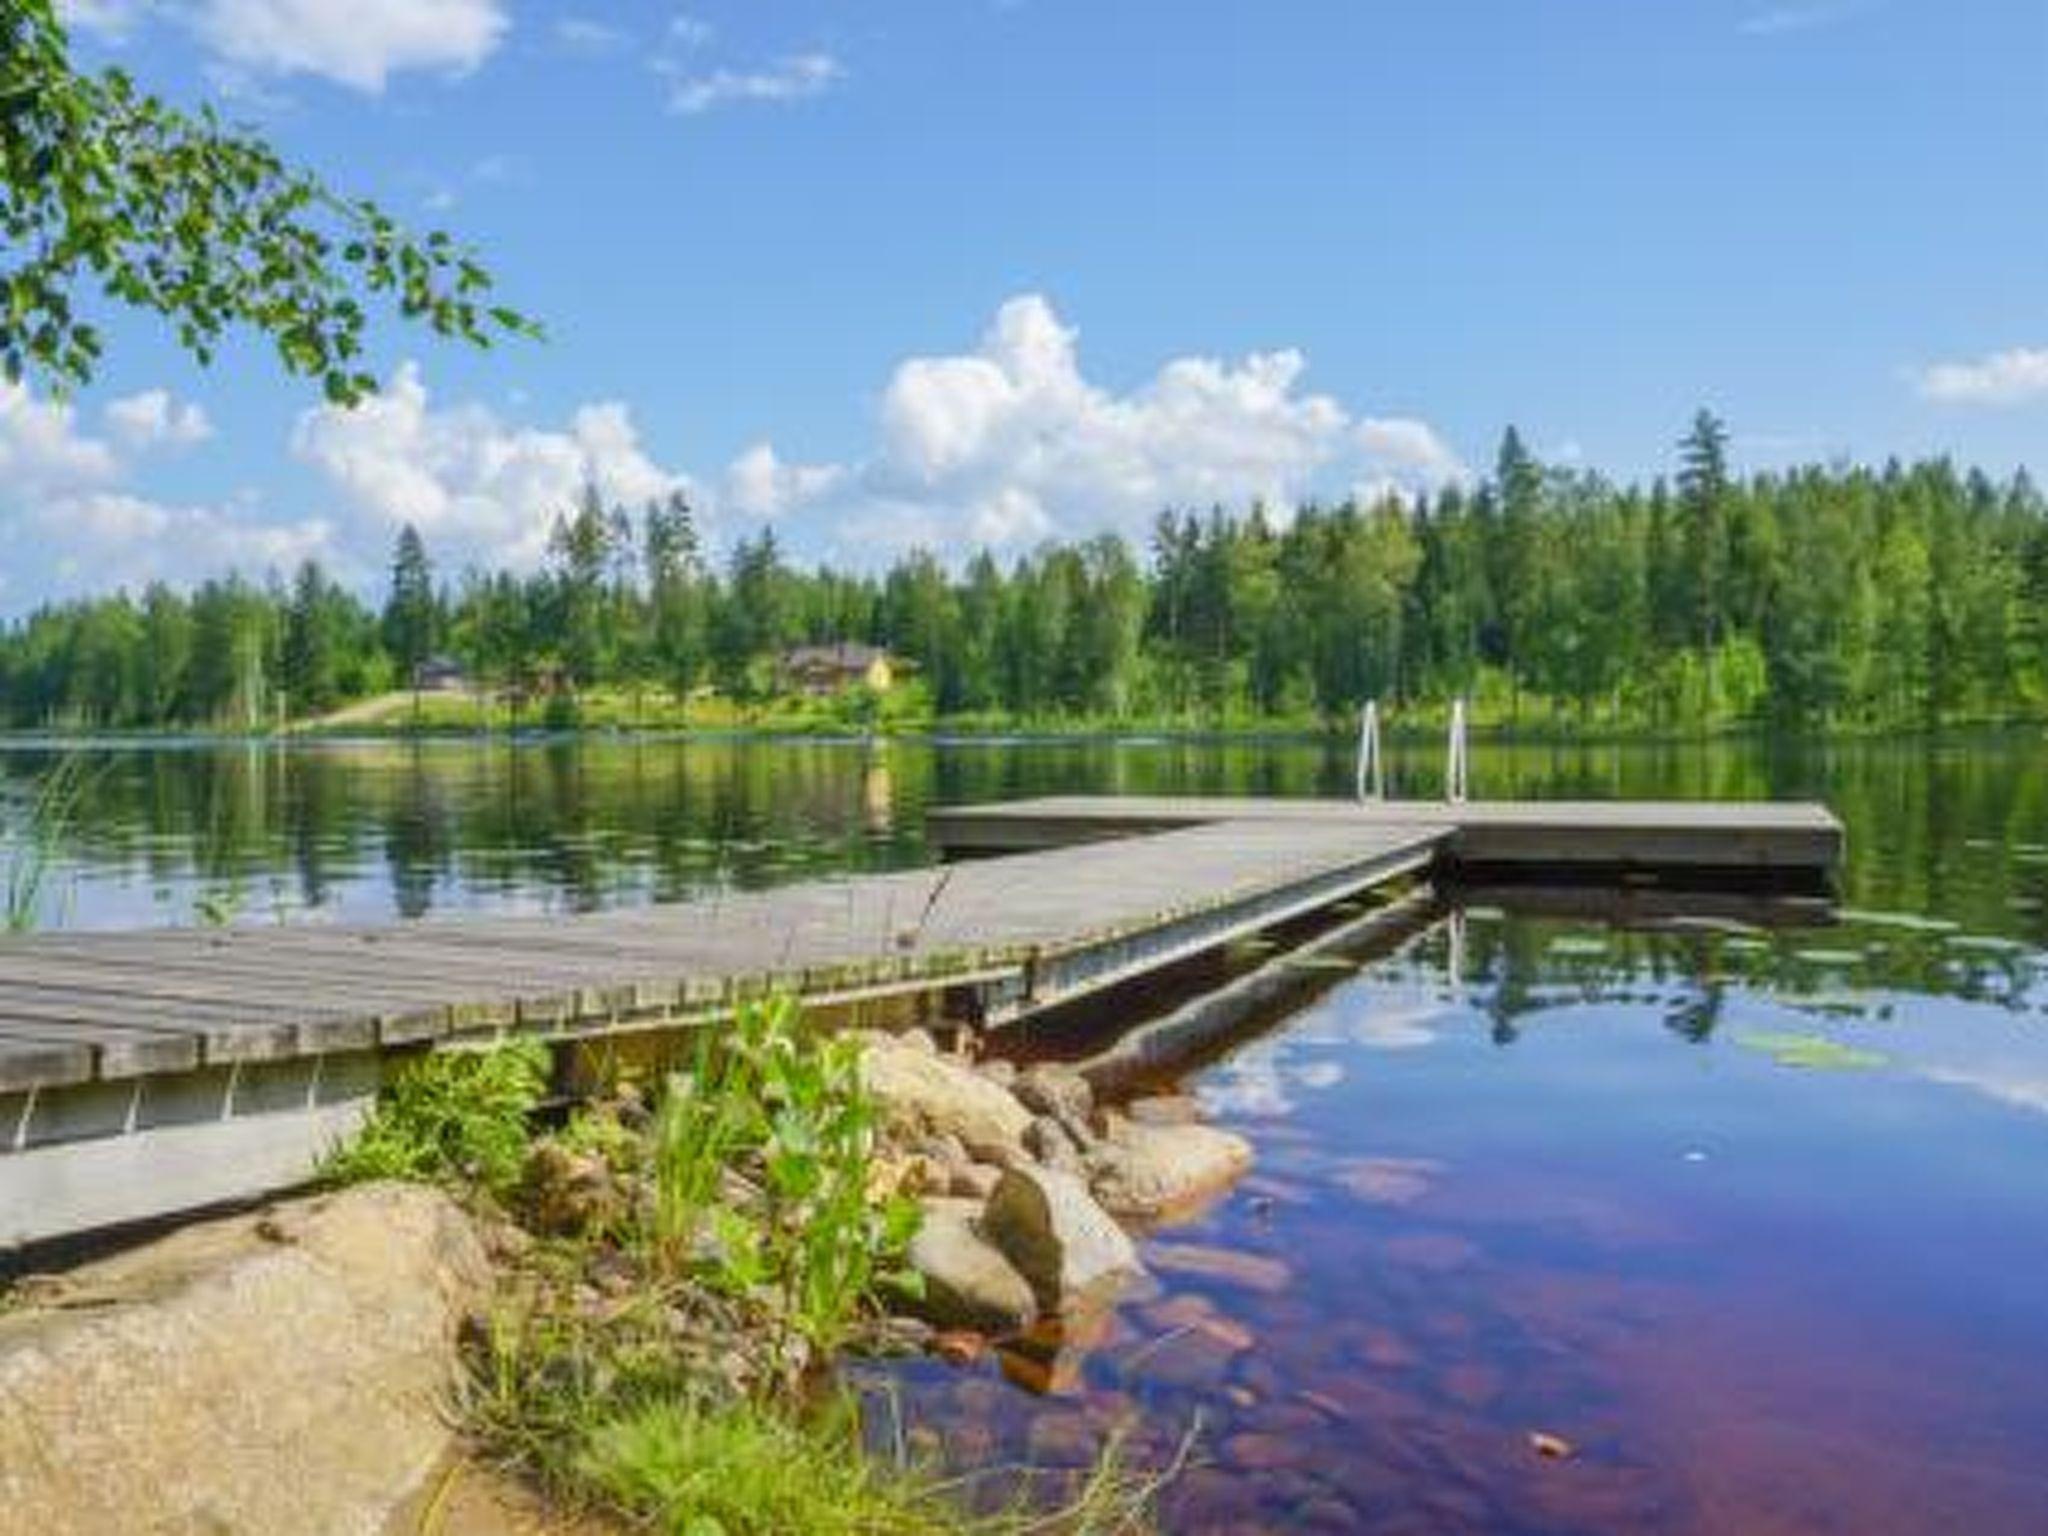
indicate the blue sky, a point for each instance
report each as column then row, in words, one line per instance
column 887, row 272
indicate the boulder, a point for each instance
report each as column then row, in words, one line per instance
column 1053, row 1145
column 967, row 1281
column 922, row 1095
column 1164, row 1109
column 998, row 1071
column 566, row 1193
column 281, row 1374
column 1146, row 1171
column 1049, row 1089
column 976, row 1181
column 1060, row 1240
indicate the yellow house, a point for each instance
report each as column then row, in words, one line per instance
column 831, row 668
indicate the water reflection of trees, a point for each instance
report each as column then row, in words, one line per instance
column 1517, row 966
column 1933, row 825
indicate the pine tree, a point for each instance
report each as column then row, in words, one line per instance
column 411, row 612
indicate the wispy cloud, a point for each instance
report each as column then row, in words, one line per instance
column 2000, row 378
column 794, row 78
column 1801, row 17
column 587, row 35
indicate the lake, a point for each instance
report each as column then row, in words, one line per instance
column 1747, row 1230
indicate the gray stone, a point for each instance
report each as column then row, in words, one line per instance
column 948, row 1152
column 924, row 1095
column 975, row 1181
column 1047, row 1089
column 1060, row 1240
column 1146, row 1171
column 229, row 1380
column 1050, row 1142
column 1164, row 1109
column 968, row 1283
column 998, row 1071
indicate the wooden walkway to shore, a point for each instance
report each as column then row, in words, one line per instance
column 1025, row 931
column 1795, row 841
column 143, row 1074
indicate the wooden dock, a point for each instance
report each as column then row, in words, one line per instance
column 143, row 1073
column 1790, row 841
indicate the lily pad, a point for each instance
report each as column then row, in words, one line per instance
column 1572, row 944
column 1985, row 944
column 1811, row 1052
column 1831, row 957
column 1912, row 921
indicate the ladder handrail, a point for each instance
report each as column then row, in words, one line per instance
column 1371, row 770
column 1455, row 756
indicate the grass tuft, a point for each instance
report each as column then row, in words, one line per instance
column 457, row 1117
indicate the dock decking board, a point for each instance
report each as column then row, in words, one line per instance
column 1760, row 835
column 76, row 1006
column 151, row 1072
column 1083, row 898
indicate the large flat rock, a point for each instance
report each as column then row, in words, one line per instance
column 270, row 1375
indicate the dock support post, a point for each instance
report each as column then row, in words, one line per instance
column 1371, row 774
column 1454, row 755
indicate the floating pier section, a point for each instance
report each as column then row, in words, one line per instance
column 147, row 1073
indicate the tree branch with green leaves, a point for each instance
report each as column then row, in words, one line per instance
column 103, row 185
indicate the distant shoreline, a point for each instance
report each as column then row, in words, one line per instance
column 942, row 732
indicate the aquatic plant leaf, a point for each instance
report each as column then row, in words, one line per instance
column 1812, row 1052
column 1574, row 944
column 1984, row 944
column 1830, row 957
column 1913, row 922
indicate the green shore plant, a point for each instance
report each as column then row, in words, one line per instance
column 682, row 1274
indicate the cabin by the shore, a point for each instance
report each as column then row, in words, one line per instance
column 441, row 674
column 827, row 669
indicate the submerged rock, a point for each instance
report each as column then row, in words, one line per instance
column 1227, row 1266
column 1145, row 1171
column 1164, row 1109
column 923, row 1095
column 1060, row 1240
column 968, row 1283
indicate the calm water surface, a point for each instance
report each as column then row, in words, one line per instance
column 1523, row 1175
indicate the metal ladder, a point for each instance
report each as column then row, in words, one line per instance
column 1371, row 783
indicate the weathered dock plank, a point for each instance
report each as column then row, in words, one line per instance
column 1049, row 925
column 222, row 1062
column 1791, row 836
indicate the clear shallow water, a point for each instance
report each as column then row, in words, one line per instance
column 1535, row 1175
column 1581, row 1199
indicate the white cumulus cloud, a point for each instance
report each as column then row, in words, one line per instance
column 758, row 484
column 476, row 487
column 2002, row 378
column 1011, row 443
column 71, row 521
column 41, row 448
column 358, row 43
column 154, row 418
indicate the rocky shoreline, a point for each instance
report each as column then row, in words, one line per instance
column 1025, row 1181
column 155, row 1379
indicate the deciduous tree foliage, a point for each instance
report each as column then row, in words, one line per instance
column 107, row 191
column 1818, row 597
